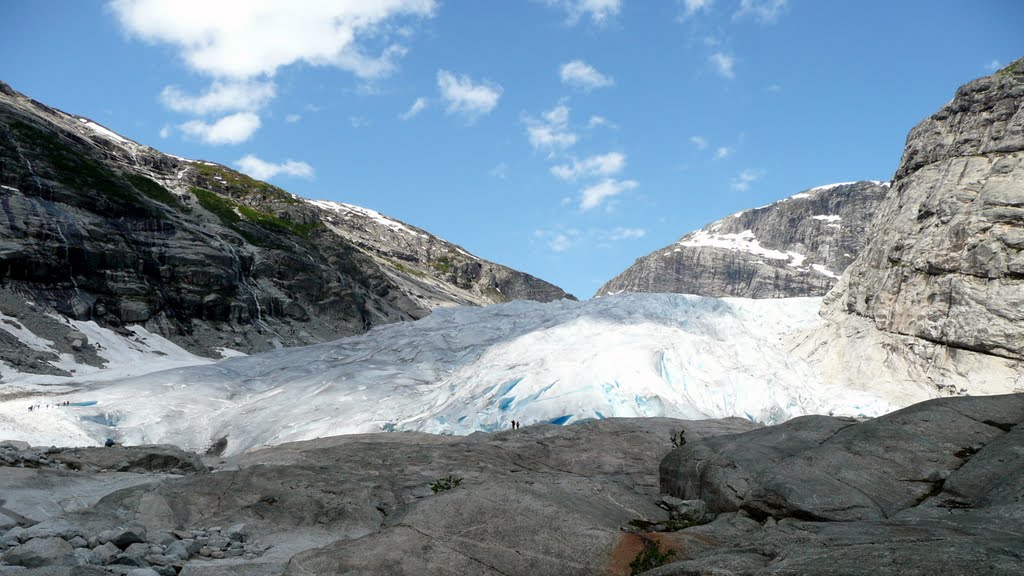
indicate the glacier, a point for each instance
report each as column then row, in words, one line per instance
column 462, row 370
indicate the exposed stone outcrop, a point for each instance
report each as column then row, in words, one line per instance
column 97, row 227
column 935, row 487
column 798, row 246
column 945, row 260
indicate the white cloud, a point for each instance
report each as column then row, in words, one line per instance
column 745, row 178
column 232, row 129
column 584, row 76
column 263, row 170
column 464, row 97
column 621, row 233
column 600, row 11
column 764, row 11
column 691, row 7
column 418, row 106
column 595, row 195
column 600, row 165
column 551, row 133
column 233, row 96
column 165, row 131
column 993, row 66
column 723, row 152
column 558, row 241
column 700, row 142
column 500, row 171
column 723, row 64
column 249, row 38
column 596, row 121
column 293, row 118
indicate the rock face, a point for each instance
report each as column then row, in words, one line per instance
column 931, row 489
column 821, row 495
column 795, row 247
column 97, row 227
column 543, row 499
column 945, row 261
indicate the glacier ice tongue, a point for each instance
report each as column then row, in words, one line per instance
column 466, row 369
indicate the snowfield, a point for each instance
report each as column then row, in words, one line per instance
column 462, row 370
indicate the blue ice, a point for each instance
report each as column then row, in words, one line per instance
column 508, row 386
column 561, row 420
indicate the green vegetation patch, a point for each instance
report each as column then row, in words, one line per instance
column 155, row 191
column 444, row 264
column 650, row 558
column 494, row 294
column 446, row 483
column 78, row 172
column 232, row 214
column 240, row 185
column 404, row 269
column 276, row 224
column 218, row 205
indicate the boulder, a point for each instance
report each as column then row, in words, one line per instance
column 125, row 537
column 825, row 468
column 107, row 552
column 40, row 552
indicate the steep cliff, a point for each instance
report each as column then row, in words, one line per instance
column 98, row 227
column 945, row 260
column 798, row 246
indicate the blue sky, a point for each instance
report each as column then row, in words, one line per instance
column 564, row 138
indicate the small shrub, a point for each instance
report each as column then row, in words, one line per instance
column 679, row 438
column 650, row 558
column 444, row 264
column 446, row 483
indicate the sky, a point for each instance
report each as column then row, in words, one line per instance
column 564, row 138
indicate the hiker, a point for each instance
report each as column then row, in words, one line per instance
column 109, row 442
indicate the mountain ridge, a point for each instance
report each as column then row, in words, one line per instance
column 797, row 246
column 100, row 227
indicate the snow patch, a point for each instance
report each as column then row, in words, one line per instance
column 106, row 133
column 740, row 242
column 827, row 217
column 830, row 186
column 15, row 328
column 824, row 271
column 347, row 210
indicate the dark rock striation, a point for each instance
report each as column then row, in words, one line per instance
column 97, row 227
column 945, row 260
column 798, row 246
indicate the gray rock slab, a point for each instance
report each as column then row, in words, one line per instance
column 40, row 552
column 834, row 469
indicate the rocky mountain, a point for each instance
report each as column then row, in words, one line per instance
column 798, row 246
column 945, row 259
column 98, row 227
